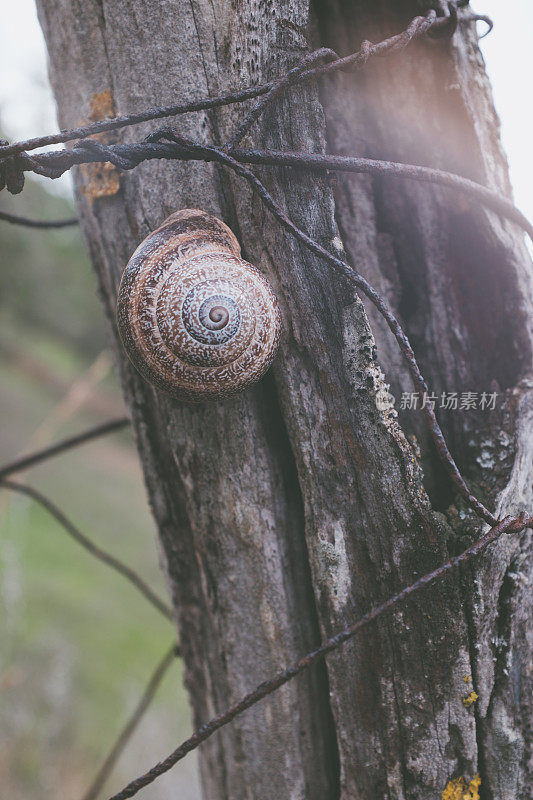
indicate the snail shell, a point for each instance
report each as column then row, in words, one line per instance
column 196, row 320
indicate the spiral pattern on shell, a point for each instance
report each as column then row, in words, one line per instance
column 196, row 320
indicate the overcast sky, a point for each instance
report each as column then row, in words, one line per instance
column 27, row 107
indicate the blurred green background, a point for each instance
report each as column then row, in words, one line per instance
column 78, row 643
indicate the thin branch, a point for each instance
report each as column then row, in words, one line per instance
column 92, row 548
column 131, row 725
column 60, row 447
column 507, row 525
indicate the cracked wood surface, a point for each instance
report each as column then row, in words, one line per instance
column 287, row 512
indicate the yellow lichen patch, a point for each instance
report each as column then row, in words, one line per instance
column 467, row 678
column 473, row 787
column 102, row 106
column 468, row 701
column 457, row 789
column 101, row 180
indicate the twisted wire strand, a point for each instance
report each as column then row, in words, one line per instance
column 32, row 459
column 38, row 223
column 129, row 156
column 14, row 161
column 278, row 87
column 133, row 722
column 90, row 546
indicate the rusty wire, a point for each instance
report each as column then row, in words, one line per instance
column 90, row 546
column 168, row 144
column 30, row 460
column 131, row 725
column 126, row 157
column 38, row 223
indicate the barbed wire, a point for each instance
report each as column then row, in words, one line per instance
column 444, row 25
column 133, row 722
column 126, row 157
column 31, row 459
column 89, row 545
column 38, row 223
column 169, row 144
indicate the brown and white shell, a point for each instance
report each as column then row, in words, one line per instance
column 196, row 320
